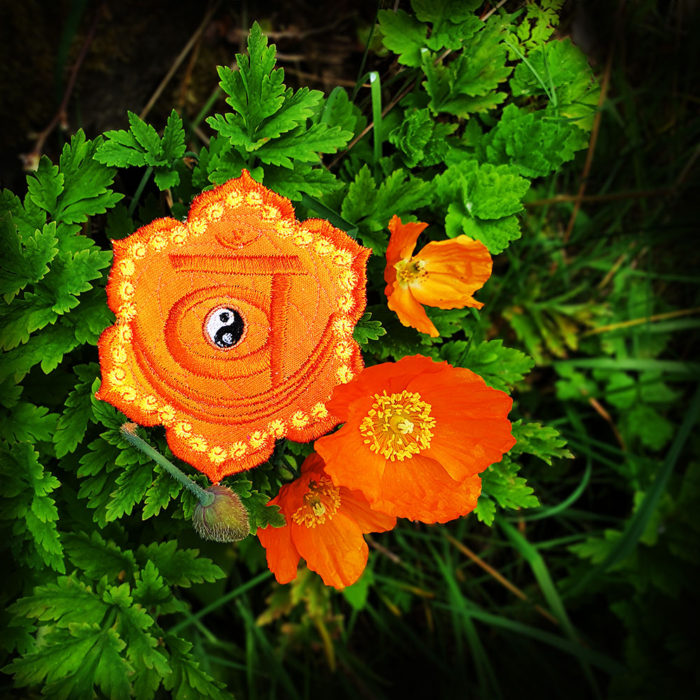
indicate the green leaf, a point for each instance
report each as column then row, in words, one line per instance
column 560, row 70
column 147, row 137
column 468, row 84
column 173, row 143
column 65, row 602
column 159, row 494
column 188, row 680
column 532, row 142
column 132, row 484
column 26, row 489
column 179, row 567
column 500, row 367
column 74, row 420
column 361, row 196
column 542, row 441
column 97, row 557
column 46, row 185
column 303, row 145
column 166, row 178
column 301, row 179
column 367, row 330
column 27, row 422
column 121, row 149
column 24, row 260
column 501, row 483
column 255, row 91
column 402, row 34
column 87, row 182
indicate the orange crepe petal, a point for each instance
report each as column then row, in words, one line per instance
column 335, row 550
column 409, row 311
column 358, row 508
column 226, row 389
column 467, row 413
column 349, row 462
column 282, row 556
column 454, row 270
column 403, row 240
column 420, row 489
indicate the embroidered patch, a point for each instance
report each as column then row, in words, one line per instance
column 233, row 328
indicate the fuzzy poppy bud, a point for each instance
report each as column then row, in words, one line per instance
column 225, row 519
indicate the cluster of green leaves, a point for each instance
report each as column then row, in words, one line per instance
column 97, row 628
column 483, row 114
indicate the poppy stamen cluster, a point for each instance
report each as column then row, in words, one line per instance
column 398, row 425
column 321, row 502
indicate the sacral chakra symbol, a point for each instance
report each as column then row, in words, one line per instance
column 233, row 328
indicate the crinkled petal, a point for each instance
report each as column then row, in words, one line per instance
column 402, row 241
column 282, row 555
column 335, row 550
column 349, row 462
column 472, row 430
column 356, row 506
column 454, row 270
column 409, row 311
column 420, row 489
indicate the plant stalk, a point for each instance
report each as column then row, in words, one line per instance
column 128, row 430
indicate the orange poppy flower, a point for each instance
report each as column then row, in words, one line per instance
column 234, row 327
column 444, row 274
column 325, row 524
column 417, row 434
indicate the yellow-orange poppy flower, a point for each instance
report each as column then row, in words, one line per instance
column 417, row 434
column 444, row 274
column 233, row 327
column 325, row 524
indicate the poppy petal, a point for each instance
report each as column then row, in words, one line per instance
column 467, row 412
column 409, row 311
column 454, row 270
column 403, row 240
column 335, row 549
column 349, row 462
column 282, row 556
column 369, row 520
column 420, row 489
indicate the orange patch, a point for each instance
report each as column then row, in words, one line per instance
column 232, row 328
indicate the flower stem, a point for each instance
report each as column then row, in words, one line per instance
column 128, row 430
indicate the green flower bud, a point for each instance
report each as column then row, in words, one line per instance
column 225, row 519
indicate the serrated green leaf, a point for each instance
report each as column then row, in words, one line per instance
column 121, row 149
column 301, row 179
column 173, row 143
column 132, row 485
column 27, row 422
column 74, row 420
column 485, row 510
column 500, row 367
column 542, row 441
column 303, row 145
column 147, row 137
column 367, row 330
column 255, row 91
column 361, row 196
column 179, row 567
column 46, row 185
column 65, row 602
column 166, row 178
column 402, row 34
column 188, row 680
column 97, row 557
column 24, row 261
column 501, row 483
column 159, row 494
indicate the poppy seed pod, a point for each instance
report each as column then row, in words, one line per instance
column 225, row 519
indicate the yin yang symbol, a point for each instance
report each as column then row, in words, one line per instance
column 224, row 327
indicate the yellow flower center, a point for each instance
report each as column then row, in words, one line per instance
column 321, row 502
column 398, row 425
column 408, row 271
